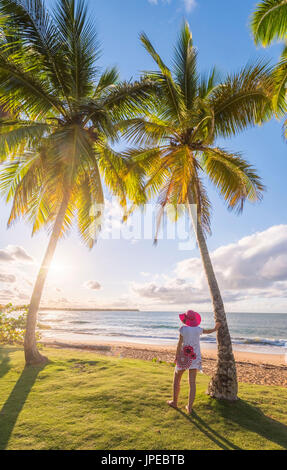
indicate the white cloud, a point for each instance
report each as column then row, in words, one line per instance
column 189, row 5
column 16, row 261
column 172, row 292
column 255, row 261
column 156, row 2
column 6, row 257
column 255, row 267
column 15, row 254
column 7, row 278
column 176, row 291
column 92, row 285
column 15, row 296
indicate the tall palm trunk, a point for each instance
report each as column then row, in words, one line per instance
column 223, row 384
column 32, row 355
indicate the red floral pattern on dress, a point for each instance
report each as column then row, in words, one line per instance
column 183, row 361
column 186, row 357
column 188, row 350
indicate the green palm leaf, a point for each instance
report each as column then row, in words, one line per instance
column 14, row 133
column 280, row 83
column 269, row 21
column 185, row 63
column 235, row 179
column 79, row 43
column 38, row 36
column 242, row 99
column 168, row 88
column 108, row 79
column 177, row 134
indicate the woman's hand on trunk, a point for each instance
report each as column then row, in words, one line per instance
column 217, row 325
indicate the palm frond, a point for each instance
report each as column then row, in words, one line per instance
column 269, row 21
column 72, row 148
column 18, row 180
column 37, row 33
column 236, row 180
column 108, row 79
column 163, row 201
column 21, row 88
column 114, row 170
column 89, row 201
column 144, row 132
column 242, row 99
column 285, row 129
column 80, row 45
column 197, row 194
column 208, row 83
column 185, row 62
column 14, row 133
column 280, row 84
column 169, row 89
column 123, row 176
column 126, row 99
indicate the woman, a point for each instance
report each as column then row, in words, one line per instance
column 188, row 355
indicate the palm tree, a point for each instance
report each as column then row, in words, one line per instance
column 175, row 144
column 268, row 24
column 56, row 149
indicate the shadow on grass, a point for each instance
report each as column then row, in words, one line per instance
column 5, row 365
column 244, row 416
column 15, row 402
column 83, row 362
column 252, row 419
column 209, row 432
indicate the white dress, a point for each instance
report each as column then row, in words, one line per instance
column 191, row 337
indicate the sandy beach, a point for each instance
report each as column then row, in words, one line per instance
column 255, row 368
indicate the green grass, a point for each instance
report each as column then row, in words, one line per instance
column 84, row 401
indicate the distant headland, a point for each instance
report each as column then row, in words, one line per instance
column 70, row 309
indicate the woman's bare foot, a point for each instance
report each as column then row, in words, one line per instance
column 188, row 410
column 172, row 404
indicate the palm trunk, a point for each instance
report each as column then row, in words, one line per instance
column 223, row 384
column 32, row 355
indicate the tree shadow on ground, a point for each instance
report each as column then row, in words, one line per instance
column 209, row 432
column 15, row 402
column 244, row 416
column 5, row 364
column 252, row 419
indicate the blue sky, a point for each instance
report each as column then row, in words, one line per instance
column 249, row 251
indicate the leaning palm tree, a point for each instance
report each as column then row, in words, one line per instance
column 56, row 149
column 269, row 24
column 175, row 142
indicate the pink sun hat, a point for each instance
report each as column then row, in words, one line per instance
column 190, row 318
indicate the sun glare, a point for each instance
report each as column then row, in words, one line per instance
column 60, row 267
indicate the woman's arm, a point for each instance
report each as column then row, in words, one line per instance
column 217, row 326
column 179, row 345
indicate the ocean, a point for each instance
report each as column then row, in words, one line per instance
column 253, row 332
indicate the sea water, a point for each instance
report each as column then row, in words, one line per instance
column 254, row 332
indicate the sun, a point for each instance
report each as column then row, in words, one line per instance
column 59, row 267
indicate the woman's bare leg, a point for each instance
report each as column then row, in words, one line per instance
column 176, row 388
column 192, row 389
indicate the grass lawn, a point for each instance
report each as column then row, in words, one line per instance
column 81, row 400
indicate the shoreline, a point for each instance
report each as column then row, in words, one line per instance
column 207, row 350
column 254, row 368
